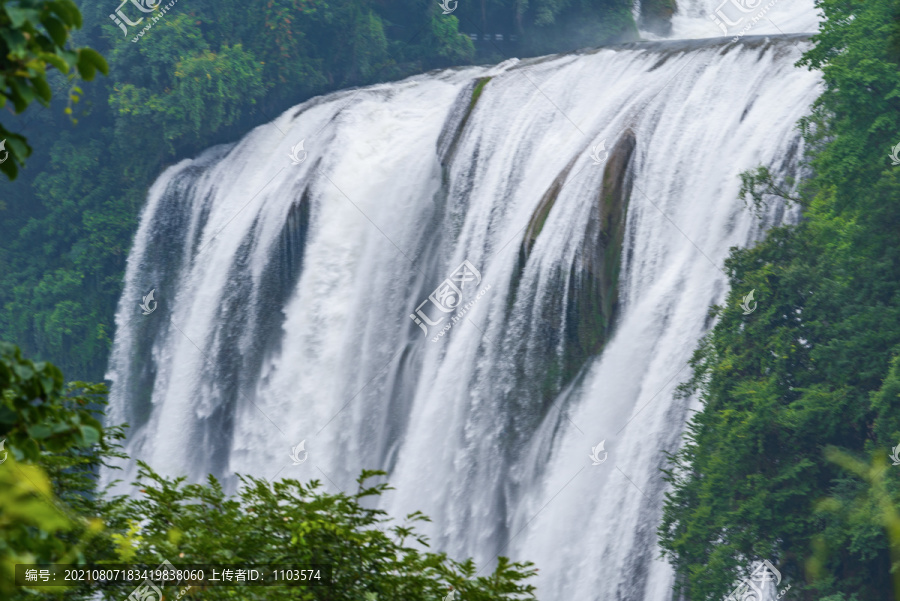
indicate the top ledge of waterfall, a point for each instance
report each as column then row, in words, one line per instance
column 686, row 45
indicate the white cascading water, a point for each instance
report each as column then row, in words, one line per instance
column 285, row 291
column 756, row 17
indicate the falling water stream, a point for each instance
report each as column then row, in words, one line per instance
column 284, row 293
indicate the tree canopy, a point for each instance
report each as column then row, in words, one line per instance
column 807, row 385
column 34, row 36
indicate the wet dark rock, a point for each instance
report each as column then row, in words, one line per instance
column 656, row 16
column 588, row 299
column 593, row 285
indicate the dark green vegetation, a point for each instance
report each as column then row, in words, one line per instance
column 54, row 441
column 546, row 26
column 656, row 15
column 801, row 399
column 205, row 73
column 34, row 36
column 51, row 512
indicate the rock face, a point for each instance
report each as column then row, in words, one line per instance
column 594, row 288
column 540, row 214
column 656, row 16
column 456, row 121
column 590, row 300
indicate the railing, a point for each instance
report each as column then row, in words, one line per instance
column 497, row 37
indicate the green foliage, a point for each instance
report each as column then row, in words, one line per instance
column 815, row 366
column 58, row 266
column 55, row 443
column 758, row 184
column 39, row 413
column 206, row 92
column 51, row 512
column 870, row 514
column 547, row 26
column 857, row 50
column 452, row 48
column 295, row 523
column 30, row 523
column 33, row 37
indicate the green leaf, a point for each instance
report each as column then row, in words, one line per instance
column 19, row 16
column 56, row 29
column 90, row 435
column 55, row 61
column 39, row 431
column 15, row 39
column 68, row 13
column 7, row 415
column 42, row 88
column 23, row 371
column 93, row 57
column 86, row 70
column 17, row 143
column 76, row 14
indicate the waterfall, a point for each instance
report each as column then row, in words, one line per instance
column 581, row 204
column 692, row 18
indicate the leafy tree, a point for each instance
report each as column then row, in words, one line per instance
column 872, row 510
column 54, row 443
column 559, row 25
column 288, row 522
column 33, row 37
column 815, row 367
column 205, row 91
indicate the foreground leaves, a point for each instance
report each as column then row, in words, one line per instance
column 288, row 522
column 812, row 375
column 34, row 37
